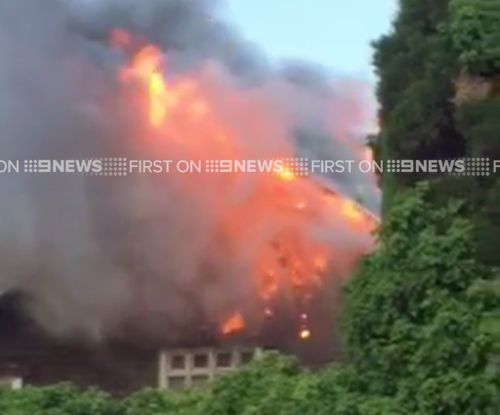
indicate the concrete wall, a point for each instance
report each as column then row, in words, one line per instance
column 183, row 368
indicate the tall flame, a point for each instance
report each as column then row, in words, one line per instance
column 292, row 263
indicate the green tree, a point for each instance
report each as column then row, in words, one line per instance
column 414, row 326
column 159, row 402
column 63, row 399
column 276, row 385
column 417, row 66
column 475, row 27
column 262, row 388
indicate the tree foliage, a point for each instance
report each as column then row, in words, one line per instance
column 476, row 34
column 438, row 52
column 272, row 384
column 63, row 399
column 417, row 65
column 414, row 327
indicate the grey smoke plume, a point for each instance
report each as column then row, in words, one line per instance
column 96, row 255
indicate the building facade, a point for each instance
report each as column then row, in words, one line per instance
column 184, row 368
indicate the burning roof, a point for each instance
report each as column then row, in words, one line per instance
column 166, row 253
column 292, row 260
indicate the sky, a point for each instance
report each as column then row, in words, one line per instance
column 334, row 33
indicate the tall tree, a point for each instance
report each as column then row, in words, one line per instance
column 415, row 314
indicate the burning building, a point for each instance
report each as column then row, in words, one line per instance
column 112, row 269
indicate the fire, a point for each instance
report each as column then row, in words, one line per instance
column 159, row 99
column 290, row 262
column 305, row 334
column 320, row 262
column 351, row 211
column 163, row 98
column 234, row 324
column 146, row 68
column 286, row 175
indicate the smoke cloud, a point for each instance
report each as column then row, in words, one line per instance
column 99, row 256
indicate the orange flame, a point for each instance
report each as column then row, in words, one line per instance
column 291, row 261
column 146, row 68
column 234, row 324
column 351, row 211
